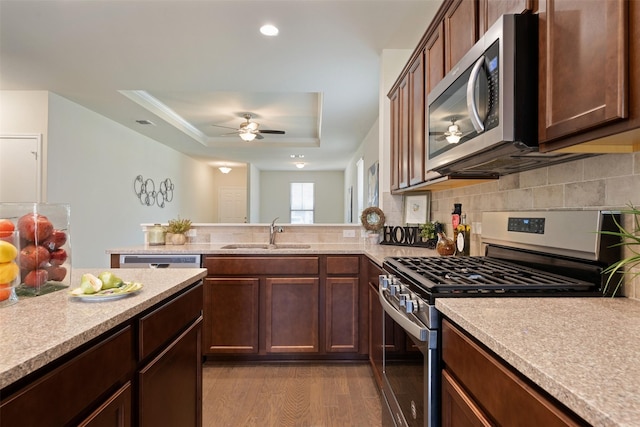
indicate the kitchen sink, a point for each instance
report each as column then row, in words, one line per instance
column 266, row 246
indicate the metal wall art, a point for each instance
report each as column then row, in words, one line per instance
column 145, row 190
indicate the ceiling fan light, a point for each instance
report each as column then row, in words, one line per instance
column 300, row 165
column 224, row 169
column 247, row 136
column 453, row 139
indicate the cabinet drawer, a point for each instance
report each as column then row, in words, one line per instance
column 168, row 320
column 67, row 390
column 498, row 390
column 248, row 266
column 341, row 265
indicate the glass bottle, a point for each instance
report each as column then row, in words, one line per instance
column 445, row 246
column 463, row 237
column 157, row 235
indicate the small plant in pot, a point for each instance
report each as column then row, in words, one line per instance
column 177, row 229
column 629, row 240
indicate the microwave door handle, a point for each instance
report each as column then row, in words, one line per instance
column 471, row 99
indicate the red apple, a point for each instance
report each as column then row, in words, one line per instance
column 36, row 278
column 32, row 257
column 6, row 228
column 55, row 240
column 56, row 273
column 34, row 227
column 58, row 257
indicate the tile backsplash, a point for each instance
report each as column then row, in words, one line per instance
column 608, row 181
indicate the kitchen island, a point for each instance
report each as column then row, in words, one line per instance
column 581, row 351
column 53, row 345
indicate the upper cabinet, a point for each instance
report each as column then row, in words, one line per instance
column 491, row 10
column 584, row 54
column 460, row 29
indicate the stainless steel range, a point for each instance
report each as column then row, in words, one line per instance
column 527, row 254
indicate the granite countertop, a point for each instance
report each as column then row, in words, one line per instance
column 375, row 252
column 583, row 351
column 36, row 331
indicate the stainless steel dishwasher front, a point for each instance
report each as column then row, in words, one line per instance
column 160, row 261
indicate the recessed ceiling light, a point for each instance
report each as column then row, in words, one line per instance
column 269, row 30
column 297, row 156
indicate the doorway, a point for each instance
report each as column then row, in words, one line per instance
column 20, row 168
column 232, row 205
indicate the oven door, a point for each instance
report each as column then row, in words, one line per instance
column 410, row 376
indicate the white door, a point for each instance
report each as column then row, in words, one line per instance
column 20, row 168
column 232, row 205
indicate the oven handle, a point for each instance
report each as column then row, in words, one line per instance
column 417, row 331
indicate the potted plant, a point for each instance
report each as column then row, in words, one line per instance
column 177, row 229
column 428, row 233
column 629, row 239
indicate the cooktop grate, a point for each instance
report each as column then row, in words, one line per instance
column 449, row 274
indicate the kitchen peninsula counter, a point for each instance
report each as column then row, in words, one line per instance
column 36, row 331
column 582, row 351
column 375, row 252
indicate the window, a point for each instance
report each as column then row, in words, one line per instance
column 302, row 203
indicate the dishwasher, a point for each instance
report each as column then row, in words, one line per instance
column 160, row 261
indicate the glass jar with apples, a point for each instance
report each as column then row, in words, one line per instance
column 44, row 257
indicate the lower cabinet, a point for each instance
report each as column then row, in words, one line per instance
column 479, row 389
column 284, row 307
column 144, row 372
column 291, row 317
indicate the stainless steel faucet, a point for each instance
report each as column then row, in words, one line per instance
column 272, row 231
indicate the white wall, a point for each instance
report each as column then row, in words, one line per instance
column 253, row 199
column 368, row 151
column 92, row 163
column 329, row 196
column 236, row 178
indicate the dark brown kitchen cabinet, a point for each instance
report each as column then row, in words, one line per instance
column 460, row 29
column 479, row 389
column 404, row 134
column 490, row 10
column 291, row 318
column 116, row 411
column 231, row 313
column 416, row 121
column 170, row 353
column 394, row 141
column 283, row 307
column 585, row 54
column 434, row 61
column 147, row 369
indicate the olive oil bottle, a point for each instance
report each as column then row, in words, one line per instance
column 463, row 237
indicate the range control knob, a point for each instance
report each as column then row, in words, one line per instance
column 385, row 280
column 402, row 298
column 413, row 305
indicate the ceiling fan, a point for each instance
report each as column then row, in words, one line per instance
column 453, row 134
column 249, row 130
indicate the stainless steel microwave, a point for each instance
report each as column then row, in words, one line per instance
column 483, row 116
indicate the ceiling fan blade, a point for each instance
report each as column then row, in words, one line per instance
column 226, row 127
column 258, row 136
column 277, row 132
column 230, row 133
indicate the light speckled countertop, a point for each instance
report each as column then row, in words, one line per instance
column 583, row 351
column 36, row 331
column 375, row 252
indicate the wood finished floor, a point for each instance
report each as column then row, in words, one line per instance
column 301, row 395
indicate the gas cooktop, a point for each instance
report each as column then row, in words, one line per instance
column 464, row 274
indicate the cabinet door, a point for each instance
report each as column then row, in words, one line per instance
column 491, row 10
column 461, row 31
column 434, row 60
column 583, row 66
column 416, row 121
column 394, row 140
column 291, row 318
column 231, row 312
column 403, row 148
column 342, row 314
column 114, row 412
column 170, row 386
column 459, row 409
